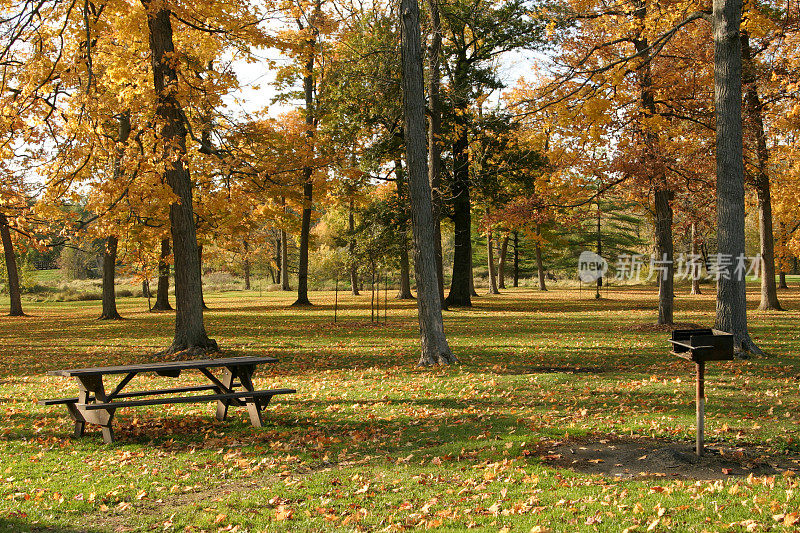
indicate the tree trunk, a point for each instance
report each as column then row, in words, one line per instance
column 11, row 269
column 665, row 251
column 246, row 265
column 782, row 280
column 694, row 273
column 162, row 291
column 434, row 137
column 501, row 269
column 599, row 249
column 405, row 279
column 769, row 292
column 284, row 259
column 190, row 331
column 200, row 261
column 308, row 184
column 435, row 349
column 539, row 262
column 460, row 285
column 662, row 194
column 109, row 277
column 516, row 259
column 351, row 227
column 110, row 253
column 490, row 256
column 731, row 293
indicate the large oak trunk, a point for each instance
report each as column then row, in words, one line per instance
column 769, row 291
column 435, row 349
column 15, row 309
column 190, row 331
column 731, row 292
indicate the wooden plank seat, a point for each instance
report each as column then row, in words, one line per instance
column 93, row 405
column 268, row 394
column 136, row 394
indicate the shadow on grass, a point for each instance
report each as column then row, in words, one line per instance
column 21, row 525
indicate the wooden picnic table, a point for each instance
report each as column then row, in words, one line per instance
column 94, row 405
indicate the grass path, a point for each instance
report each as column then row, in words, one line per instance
column 371, row 442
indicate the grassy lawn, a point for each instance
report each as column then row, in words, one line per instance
column 372, row 443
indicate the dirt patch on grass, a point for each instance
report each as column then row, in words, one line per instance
column 637, row 458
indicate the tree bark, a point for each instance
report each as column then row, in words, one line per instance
column 731, row 293
column 308, row 184
column 15, row 308
column 539, row 262
column 460, row 285
column 769, row 291
column 284, row 256
column 200, row 261
column 782, row 280
column 190, row 331
column 110, row 311
column 695, row 275
column 490, row 261
column 472, row 292
column 162, row 290
column 405, row 279
column 351, row 227
column 516, row 259
column 599, row 250
column 665, row 252
column 434, row 137
column 501, row 269
column 662, row 194
column 246, row 265
column 435, row 349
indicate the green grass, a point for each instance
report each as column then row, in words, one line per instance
column 371, row 442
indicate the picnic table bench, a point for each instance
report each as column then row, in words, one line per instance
column 94, row 405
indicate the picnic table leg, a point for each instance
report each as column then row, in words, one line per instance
column 94, row 384
column 222, row 405
column 253, row 406
column 108, row 433
column 80, row 422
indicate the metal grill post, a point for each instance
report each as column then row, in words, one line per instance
column 701, row 405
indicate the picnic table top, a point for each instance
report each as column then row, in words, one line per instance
column 170, row 365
